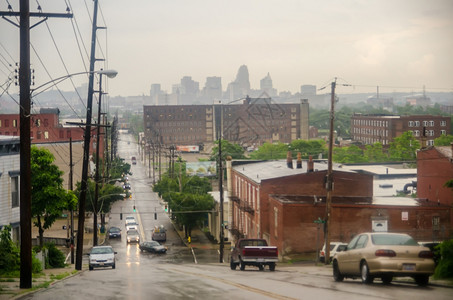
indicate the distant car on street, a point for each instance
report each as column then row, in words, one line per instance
column 384, row 255
column 114, row 232
column 153, row 247
column 159, row 234
column 102, row 256
column 133, row 236
column 131, row 225
column 334, row 248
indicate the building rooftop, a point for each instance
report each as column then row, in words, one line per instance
column 258, row 171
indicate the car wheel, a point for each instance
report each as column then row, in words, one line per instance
column 387, row 279
column 422, row 280
column 261, row 267
column 91, row 268
column 337, row 276
column 272, row 267
column 365, row 273
column 242, row 266
column 233, row 265
column 113, row 267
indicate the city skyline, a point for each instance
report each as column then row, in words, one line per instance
column 400, row 45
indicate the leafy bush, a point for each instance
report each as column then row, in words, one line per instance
column 445, row 267
column 55, row 258
column 36, row 266
column 9, row 252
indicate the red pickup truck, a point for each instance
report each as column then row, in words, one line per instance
column 253, row 252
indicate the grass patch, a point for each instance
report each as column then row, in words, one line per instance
column 7, row 280
column 59, row 276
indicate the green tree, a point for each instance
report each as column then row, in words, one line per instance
column 190, row 209
column 351, row 154
column 228, row 149
column 268, row 151
column 375, row 153
column 307, row 148
column 404, row 147
column 49, row 198
column 443, row 140
column 108, row 194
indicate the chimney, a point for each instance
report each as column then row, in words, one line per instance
column 310, row 164
column 289, row 160
column 299, row 161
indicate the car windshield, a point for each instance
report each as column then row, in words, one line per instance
column 132, row 232
column 103, row 250
column 154, row 243
column 114, row 229
column 393, row 239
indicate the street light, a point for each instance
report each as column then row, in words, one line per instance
column 110, row 74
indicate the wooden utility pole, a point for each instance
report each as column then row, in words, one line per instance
column 329, row 177
column 71, row 165
column 25, row 140
column 86, row 146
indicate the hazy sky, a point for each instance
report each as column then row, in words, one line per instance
column 400, row 44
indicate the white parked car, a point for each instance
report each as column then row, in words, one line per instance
column 334, row 248
column 102, row 256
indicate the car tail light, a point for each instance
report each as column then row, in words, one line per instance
column 384, row 252
column 243, row 252
column 322, row 253
column 426, row 254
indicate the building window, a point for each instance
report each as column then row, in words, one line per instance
column 430, row 142
column 436, row 223
column 431, row 123
column 416, row 133
column 0, row 123
column 15, row 191
column 443, row 132
column 14, row 123
column 442, row 123
column 417, row 123
column 411, row 123
column 425, row 123
column 430, row 132
column 46, row 135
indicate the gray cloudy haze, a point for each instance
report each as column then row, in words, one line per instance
column 399, row 45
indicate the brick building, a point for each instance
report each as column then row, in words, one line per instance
column 292, row 227
column 251, row 186
column 280, row 204
column 250, row 123
column 434, row 169
column 45, row 127
column 370, row 129
column 46, row 131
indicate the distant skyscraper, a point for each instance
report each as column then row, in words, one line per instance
column 155, row 89
column 266, row 86
column 242, row 79
column 241, row 86
column 213, row 88
column 189, row 86
column 308, row 90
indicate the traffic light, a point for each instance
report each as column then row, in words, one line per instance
column 134, row 209
column 166, row 208
column 155, row 216
column 121, row 216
